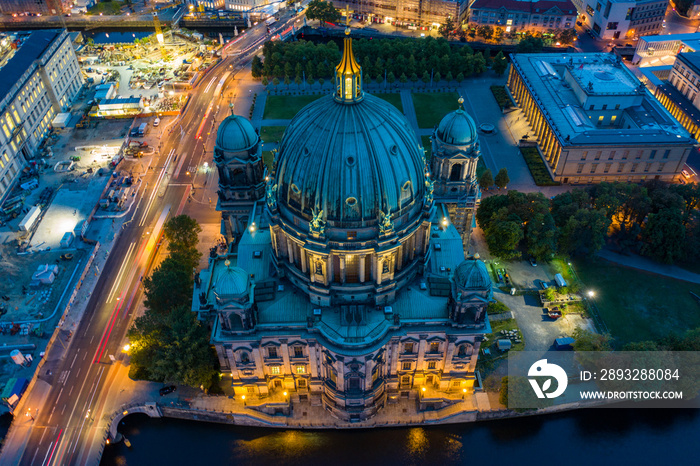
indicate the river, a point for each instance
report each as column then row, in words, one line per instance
column 586, row 437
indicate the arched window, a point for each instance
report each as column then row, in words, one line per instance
column 456, row 172
column 245, row 358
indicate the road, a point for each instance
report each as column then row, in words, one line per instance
column 63, row 422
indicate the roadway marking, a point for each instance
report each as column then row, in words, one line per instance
column 93, row 337
column 156, row 188
column 63, row 377
column 94, row 392
column 86, row 351
column 206, row 89
column 74, row 358
column 121, row 272
column 47, row 454
column 54, row 447
column 64, row 406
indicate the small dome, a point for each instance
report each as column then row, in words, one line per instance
column 235, row 134
column 457, row 128
column 472, row 275
column 232, row 282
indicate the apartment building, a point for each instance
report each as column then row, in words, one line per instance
column 513, row 14
column 622, row 19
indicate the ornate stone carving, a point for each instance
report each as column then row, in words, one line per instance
column 317, row 226
column 429, row 187
column 271, row 194
column 386, row 226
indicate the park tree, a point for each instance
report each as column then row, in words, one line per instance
column 446, row 28
column 489, row 207
column 499, row 64
column 485, row 31
column 587, row 340
column 182, row 233
column 478, row 63
column 287, row 81
column 583, row 234
column 414, row 77
column 256, row 67
column 460, row 78
column 437, row 77
column 664, row 236
column 690, row 193
column 498, row 34
column 322, row 11
column 170, row 283
column 390, row 78
column 565, row 205
column 486, row 180
column 567, row 36
column 541, row 236
column 503, row 237
column 275, row 82
column 426, row 77
column 172, row 348
column 265, row 81
column 298, row 80
column 502, row 178
column 403, row 79
column 449, row 78
column 530, row 44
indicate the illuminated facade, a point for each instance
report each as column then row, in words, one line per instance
column 39, row 81
column 594, row 121
column 43, row 7
column 518, row 15
column 622, row 19
column 681, row 94
column 346, row 283
column 411, row 13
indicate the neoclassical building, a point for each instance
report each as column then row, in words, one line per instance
column 348, row 285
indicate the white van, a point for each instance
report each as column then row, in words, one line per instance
column 156, row 122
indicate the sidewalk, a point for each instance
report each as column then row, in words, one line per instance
column 642, row 263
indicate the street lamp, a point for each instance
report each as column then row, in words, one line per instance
column 591, row 293
column 127, row 348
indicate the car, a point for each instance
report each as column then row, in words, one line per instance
column 156, row 122
column 554, row 313
column 91, row 103
column 533, row 262
column 66, row 257
column 544, row 285
column 685, row 173
column 165, row 390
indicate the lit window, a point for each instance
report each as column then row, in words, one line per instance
column 275, row 370
column 432, row 365
column 301, row 369
column 407, row 366
column 434, row 347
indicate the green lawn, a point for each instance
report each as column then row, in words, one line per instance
column 106, row 8
column 393, row 99
column 272, row 134
column 537, row 168
column 284, row 107
column 267, row 159
column 431, row 107
column 638, row 305
column 427, row 145
column 502, row 97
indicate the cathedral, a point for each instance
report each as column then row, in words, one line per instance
column 346, row 283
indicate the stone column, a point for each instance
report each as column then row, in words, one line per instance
column 399, row 254
column 342, row 269
column 303, row 260
column 329, row 270
column 412, row 247
column 290, row 250
column 362, row 268
column 284, row 349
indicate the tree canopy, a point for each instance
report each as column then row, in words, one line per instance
column 322, row 11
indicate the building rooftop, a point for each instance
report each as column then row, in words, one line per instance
column 563, row 83
column 691, row 60
column 29, row 51
column 695, row 36
column 542, row 6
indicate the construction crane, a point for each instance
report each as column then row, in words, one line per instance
column 159, row 34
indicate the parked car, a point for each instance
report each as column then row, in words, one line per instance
column 165, row 390
column 554, row 313
column 67, row 257
column 685, row 173
column 544, row 285
column 533, row 262
column 156, row 122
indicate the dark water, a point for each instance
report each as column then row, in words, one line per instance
column 591, row 437
column 116, row 37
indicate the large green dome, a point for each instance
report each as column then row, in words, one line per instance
column 352, row 161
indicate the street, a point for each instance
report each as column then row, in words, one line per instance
column 63, row 426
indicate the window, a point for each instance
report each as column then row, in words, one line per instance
column 432, row 365
column 251, row 390
column 605, row 107
column 584, row 155
column 298, row 352
column 611, row 155
column 301, row 369
column 406, row 380
column 639, row 154
column 598, row 154
column 408, row 347
column 607, row 167
column 666, row 153
column 434, row 347
column 653, row 154
column 406, row 366
column 634, row 167
column 275, row 370
column 661, row 167
column 580, row 168
column 620, row 166
column 617, row 107
column 272, row 352
column 594, row 167
column 647, row 167
column 600, row 120
column 245, row 359
column 591, row 107
column 301, row 383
